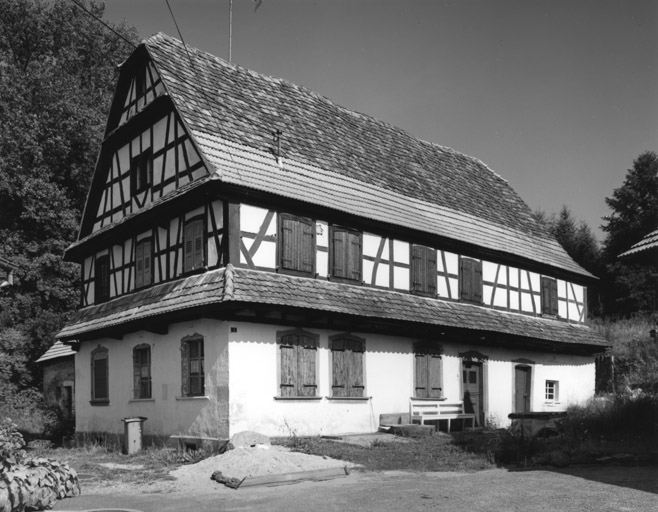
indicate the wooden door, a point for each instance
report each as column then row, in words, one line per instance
column 522, row 377
column 473, row 390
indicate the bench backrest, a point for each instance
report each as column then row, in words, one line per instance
column 436, row 408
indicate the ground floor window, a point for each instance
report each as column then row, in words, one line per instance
column 298, row 351
column 192, row 356
column 142, row 371
column 100, row 389
column 427, row 370
column 552, row 388
column 347, row 353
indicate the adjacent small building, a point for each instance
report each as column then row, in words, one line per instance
column 256, row 257
column 58, row 366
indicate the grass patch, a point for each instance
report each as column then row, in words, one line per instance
column 432, row 453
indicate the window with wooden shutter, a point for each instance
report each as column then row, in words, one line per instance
column 345, row 254
column 296, row 245
column 100, row 388
column 142, row 372
column 423, row 270
column 297, row 363
column 192, row 366
column 141, row 172
column 470, row 280
column 143, row 258
column 549, row 305
column 102, row 279
column 427, row 371
column 347, row 352
column 193, row 245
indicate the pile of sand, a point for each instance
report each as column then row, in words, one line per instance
column 246, row 462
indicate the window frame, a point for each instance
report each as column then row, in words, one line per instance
column 549, row 298
column 349, row 256
column 100, row 353
column 138, row 244
column 552, row 391
column 470, row 280
column 141, row 172
column 423, row 270
column 199, row 257
column 138, row 378
column 428, row 351
column 354, row 388
column 306, row 341
column 293, row 269
column 186, row 367
column 102, row 280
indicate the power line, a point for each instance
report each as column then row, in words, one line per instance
column 82, row 7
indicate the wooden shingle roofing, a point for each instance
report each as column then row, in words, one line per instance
column 647, row 243
column 341, row 159
column 229, row 286
column 57, row 350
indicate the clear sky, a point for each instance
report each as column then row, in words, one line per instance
column 556, row 96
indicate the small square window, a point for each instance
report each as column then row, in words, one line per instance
column 552, row 388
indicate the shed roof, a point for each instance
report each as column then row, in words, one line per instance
column 231, row 285
column 57, row 350
column 341, row 159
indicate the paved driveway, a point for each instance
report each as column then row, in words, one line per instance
column 572, row 489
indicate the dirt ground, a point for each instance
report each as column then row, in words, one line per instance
column 595, row 489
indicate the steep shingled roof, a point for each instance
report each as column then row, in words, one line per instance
column 342, row 159
column 647, row 243
column 231, row 285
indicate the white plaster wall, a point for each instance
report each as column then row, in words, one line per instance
column 167, row 413
column 388, row 374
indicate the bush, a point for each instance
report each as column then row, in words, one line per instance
column 621, row 417
column 29, row 412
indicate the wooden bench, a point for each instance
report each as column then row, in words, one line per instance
column 437, row 410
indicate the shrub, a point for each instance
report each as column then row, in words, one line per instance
column 28, row 410
column 621, row 417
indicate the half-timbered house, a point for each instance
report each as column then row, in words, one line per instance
column 256, row 257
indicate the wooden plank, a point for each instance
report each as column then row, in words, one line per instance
column 297, row 476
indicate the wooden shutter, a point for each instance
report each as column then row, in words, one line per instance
column 355, row 368
column 477, row 281
column 139, row 265
column 297, row 248
column 147, row 262
column 339, row 262
column 421, row 373
column 288, row 369
column 549, row 304
column 198, row 243
column 188, row 247
column 430, row 271
column 354, row 256
column 466, row 279
column 306, row 367
column 417, row 268
column 339, row 368
column 434, row 375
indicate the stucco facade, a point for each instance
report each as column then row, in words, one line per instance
column 241, row 383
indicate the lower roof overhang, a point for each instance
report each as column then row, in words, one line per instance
column 266, row 297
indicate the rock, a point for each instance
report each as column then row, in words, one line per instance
column 248, row 439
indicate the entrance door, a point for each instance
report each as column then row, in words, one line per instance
column 473, row 390
column 522, row 377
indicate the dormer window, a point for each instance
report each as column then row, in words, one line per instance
column 141, row 172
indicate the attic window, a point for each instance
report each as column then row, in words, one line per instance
column 141, row 172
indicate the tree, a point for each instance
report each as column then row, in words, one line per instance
column 634, row 207
column 575, row 237
column 632, row 282
column 57, row 70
